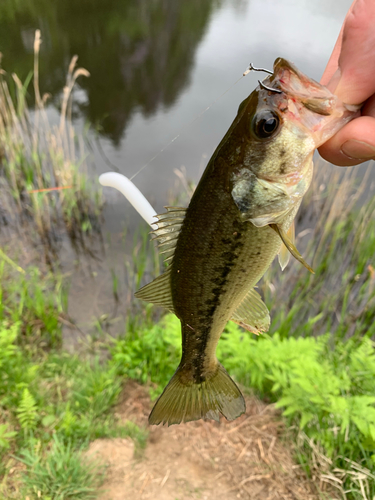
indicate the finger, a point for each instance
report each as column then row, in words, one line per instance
column 357, row 57
column 333, row 62
column 369, row 108
column 364, row 131
column 353, row 144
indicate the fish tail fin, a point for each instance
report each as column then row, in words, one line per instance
column 183, row 402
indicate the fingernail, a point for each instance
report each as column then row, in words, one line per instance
column 358, row 150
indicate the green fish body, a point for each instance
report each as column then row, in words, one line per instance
column 239, row 218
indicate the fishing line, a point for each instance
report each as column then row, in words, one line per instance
column 186, row 126
column 104, row 156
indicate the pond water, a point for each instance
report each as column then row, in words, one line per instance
column 155, row 65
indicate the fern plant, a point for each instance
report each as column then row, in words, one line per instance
column 27, row 411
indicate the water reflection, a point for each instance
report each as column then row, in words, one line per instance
column 145, row 55
column 140, row 53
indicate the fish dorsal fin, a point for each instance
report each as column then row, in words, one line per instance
column 169, row 226
column 159, row 291
column 284, row 254
column 252, row 313
column 290, row 246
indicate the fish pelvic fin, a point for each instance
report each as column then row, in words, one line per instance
column 290, row 246
column 284, row 254
column 184, row 402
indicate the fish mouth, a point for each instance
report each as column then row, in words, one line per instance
column 306, row 103
column 311, row 94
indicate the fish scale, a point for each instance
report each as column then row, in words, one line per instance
column 240, row 217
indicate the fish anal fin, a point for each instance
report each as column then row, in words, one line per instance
column 290, row 246
column 284, row 254
column 252, row 313
column 159, row 291
column 184, row 402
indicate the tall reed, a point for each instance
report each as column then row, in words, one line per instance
column 336, row 233
column 44, row 165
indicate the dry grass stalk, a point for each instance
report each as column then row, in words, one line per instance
column 322, row 471
column 37, row 156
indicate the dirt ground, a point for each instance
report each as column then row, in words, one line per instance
column 247, row 458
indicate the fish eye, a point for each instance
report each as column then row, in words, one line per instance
column 265, row 124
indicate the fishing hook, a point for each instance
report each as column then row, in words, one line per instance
column 253, row 68
column 269, row 88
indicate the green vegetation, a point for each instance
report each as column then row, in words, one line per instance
column 340, row 297
column 325, row 386
column 44, row 185
column 63, row 474
column 51, row 403
column 34, row 301
column 149, row 354
column 318, row 363
column 318, row 366
column 327, row 391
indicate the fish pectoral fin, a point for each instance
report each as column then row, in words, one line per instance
column 183, row 400
column 271, row 218
column 260, row 201
column 159, row 291
column 284, row 254
column 274, row 217
column 252, row 313
column 290, row 246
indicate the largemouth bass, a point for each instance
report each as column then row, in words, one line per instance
column 239, row 218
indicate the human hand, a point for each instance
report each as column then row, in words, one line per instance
column 350, row 74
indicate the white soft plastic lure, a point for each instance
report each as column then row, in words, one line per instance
column 132, row 194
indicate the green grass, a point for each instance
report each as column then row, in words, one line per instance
column 325, row 388
column 44, row 181
column 33, row 300
column 150, row 353
column 62, row 473
column 340, row 245
column 317, row 364
column 52, row 404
